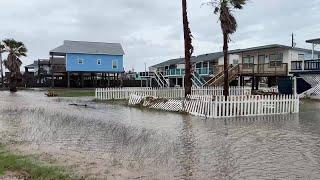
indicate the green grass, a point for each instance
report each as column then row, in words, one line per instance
column 34, row 169
column 73, row 92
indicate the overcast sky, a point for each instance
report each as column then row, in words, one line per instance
column 151, row 30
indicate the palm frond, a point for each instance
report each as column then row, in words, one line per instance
column 238, row 4
column 228, row 21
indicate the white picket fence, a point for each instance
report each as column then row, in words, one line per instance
column 218, row 107
column 169, row 93
column 236, row 106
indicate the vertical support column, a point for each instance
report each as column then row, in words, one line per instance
column 295, row 86
column 313, row 46
column 177, row 81
column 68, row 78
column 121, row 80
column 257, row 79
column 150, row 82
column 183, row 81
column 108, row 79
column 82, row 80
column 52, row 72
column 252, row 83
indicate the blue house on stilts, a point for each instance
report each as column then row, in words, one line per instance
column 86, row 64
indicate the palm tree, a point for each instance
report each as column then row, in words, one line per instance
column 1, row 63
column 223, row 8
column 188, row 48
column 16, row 50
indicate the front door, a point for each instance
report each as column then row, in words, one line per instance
column 261, row 63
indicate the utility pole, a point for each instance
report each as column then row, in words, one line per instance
column 293, row 44
column 145, row 67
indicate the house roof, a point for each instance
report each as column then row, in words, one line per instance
column 33, row 65
column 208, row 57
column 315, row 41
column 270, row 46
column 85, row 47
column 194, row 59
column 172, row 62
column 36, row 63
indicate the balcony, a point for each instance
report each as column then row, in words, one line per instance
column 174, row 72
column 181, row 72
column 275, row 69
column 204, row 71
column 307, row 65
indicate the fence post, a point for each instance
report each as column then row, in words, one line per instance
column 295, row 85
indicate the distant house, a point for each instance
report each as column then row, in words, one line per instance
column 268, row 62
column 89, row 61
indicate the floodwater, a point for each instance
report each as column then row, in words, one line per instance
column 103, row 141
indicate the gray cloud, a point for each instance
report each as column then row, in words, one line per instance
column 151, row 31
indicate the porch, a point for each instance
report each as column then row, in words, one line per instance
column 306, row 66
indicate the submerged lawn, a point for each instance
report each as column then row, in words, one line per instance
column 73, row 92
column 29, row 166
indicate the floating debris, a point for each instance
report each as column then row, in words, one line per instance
column 51, row 94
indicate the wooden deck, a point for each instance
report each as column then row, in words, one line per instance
column 262, row 70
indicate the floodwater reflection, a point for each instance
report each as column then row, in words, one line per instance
column 149, row 144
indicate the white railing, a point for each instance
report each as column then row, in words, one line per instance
column 172, row 93
column 234, row 106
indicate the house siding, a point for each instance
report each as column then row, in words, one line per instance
column 90, row 63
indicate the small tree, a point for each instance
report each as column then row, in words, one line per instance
column 16, row 50
column 188, row 48
column 223, row 8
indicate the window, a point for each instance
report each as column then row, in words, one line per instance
column 99, row 61
column 275, row 60
column 235, row 61
column 301, row 57
column 205, row 64
column 80, row 61
column 114, row 64
column 199, row 65
column 248, row 61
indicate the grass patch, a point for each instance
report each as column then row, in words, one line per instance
column 34, row 170
column 74, row 92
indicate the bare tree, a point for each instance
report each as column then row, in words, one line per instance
column 188, row 48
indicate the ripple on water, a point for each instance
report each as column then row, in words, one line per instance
column 167, row 145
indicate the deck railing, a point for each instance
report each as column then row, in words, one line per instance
column 181, row 72
column 267, row 69
column 307, row 65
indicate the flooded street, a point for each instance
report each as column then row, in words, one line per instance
column 114, row 141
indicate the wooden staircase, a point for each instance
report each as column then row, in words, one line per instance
column 218, row 79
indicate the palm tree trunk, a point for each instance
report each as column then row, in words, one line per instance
column 225, row 65
column 12, row 83
column 1, row 70
column 187, row 49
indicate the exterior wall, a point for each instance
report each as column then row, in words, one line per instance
column 181, row 66
column 90, row 63
column 267, row 53
column 293, row 55
column 232, row 57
